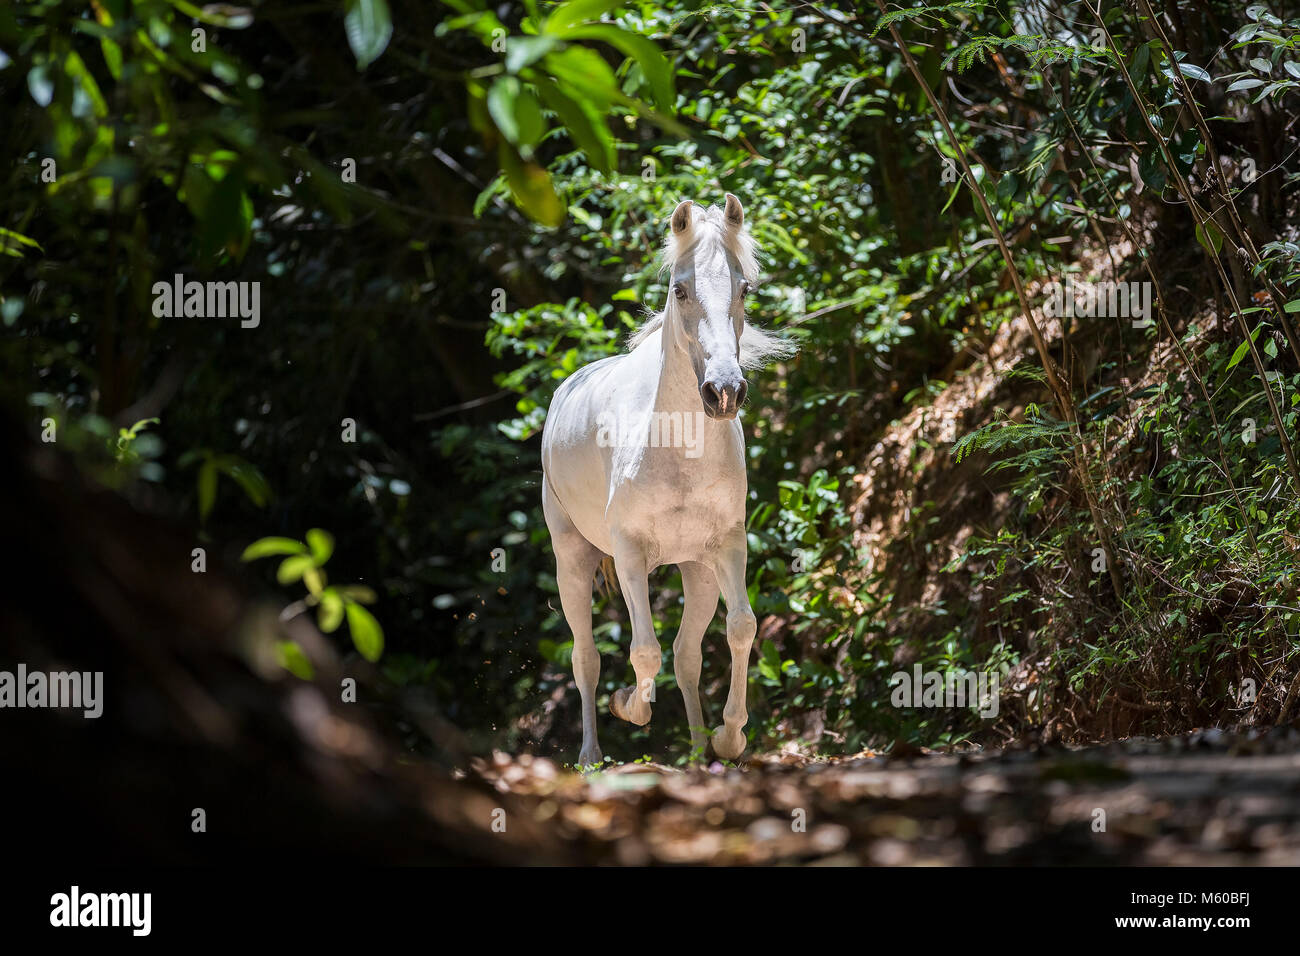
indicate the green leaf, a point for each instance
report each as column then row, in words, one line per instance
column 587, row 130
column 41, row 85
column 267, row 547
column 358, row 592
column 567, row 15
column 525, row 51
column 528, row 119
column 207, row 486
column 1007, row 187
column 1151, row 168
column 531, row 186
column 249, row 478
column 330, row 614
column 112, row 57
column 217, row 14
column 75, row 68
column 586, row 72
column 1260, row 13
column 1249, row 83
column 223, row 209
column 291, row 569
column 321, row 544
column 1141, row 60
column 1242, row 349
column 11, row 242
column 314, row 578
column 501, row 106
column 645, row 52
column 1210, row 237
column 1191, row 71
column 293, row 659
column 367, row 635
column 369, row 27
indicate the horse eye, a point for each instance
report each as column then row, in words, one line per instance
column 744, row 287
column 679, row 290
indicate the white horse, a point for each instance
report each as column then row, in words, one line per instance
column 643, row 460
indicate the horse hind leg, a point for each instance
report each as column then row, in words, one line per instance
column 633, row 703
column 576, row 560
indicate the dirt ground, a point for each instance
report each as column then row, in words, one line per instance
column 1209, row 797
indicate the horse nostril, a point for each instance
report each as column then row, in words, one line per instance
column 741, row 393
column 710, row 394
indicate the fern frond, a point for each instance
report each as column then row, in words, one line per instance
column 1035, row 432
column 934, row 12
column 1038, row 48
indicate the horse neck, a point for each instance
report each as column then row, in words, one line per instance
column 677, row 390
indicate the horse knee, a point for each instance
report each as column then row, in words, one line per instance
column 741, row 627
column 646, row 660
column 586, row 670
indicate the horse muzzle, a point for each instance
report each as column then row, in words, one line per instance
column 722, row 400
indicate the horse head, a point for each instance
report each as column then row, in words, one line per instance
column 710, row 256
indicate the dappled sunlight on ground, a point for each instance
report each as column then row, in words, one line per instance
column 1202, row 798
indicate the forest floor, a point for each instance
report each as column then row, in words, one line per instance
column 1209, row 797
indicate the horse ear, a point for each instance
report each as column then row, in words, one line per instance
column 734, row 212
column 682, row 217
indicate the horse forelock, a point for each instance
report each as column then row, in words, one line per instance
column 711, row 227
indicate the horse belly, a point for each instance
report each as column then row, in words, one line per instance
column 582, row 490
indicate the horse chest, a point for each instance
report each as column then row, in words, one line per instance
column 681, row 511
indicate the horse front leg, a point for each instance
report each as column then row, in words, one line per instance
column 729, row 568
column 700, row 591
column 633, row 703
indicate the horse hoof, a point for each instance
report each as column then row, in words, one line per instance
column 618, row 702
column 727, row 743
column 588, row 757
column 620, row 705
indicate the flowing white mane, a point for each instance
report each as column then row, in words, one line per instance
column 758, row 347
